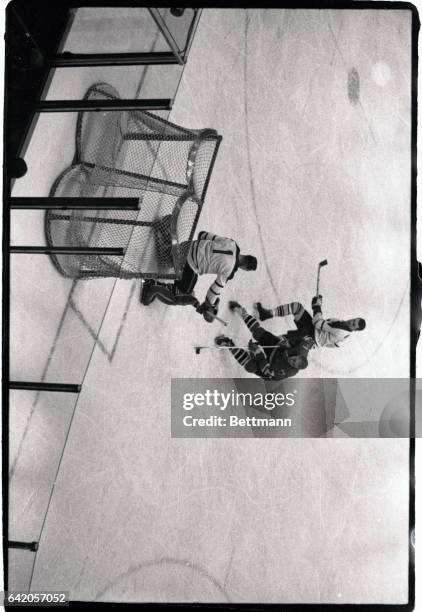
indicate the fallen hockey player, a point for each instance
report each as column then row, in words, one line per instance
column 209, row 254
column 270, row 357
column 326, row 332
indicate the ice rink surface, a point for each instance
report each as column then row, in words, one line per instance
column 311, row 166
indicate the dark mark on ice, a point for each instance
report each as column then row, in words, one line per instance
column 353, row 85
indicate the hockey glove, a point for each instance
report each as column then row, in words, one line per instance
column 259, row 356
column 206, row 305
column 208, row 310
column 285, row 342
column 208, row 316
column 254, row 347
column 316, row 303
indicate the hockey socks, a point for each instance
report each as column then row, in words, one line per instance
column 245, row 358
column 252, row 324
column 294, row 308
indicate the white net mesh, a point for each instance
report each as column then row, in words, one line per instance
column 132, row 154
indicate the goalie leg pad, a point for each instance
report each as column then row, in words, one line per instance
column 185, row 299
column 167, row 294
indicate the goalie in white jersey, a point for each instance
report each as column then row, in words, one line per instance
column 209, row 254
column 326, row 332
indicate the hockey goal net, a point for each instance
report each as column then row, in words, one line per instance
column 132, row 154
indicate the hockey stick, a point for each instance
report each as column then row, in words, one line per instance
column 213, row 316
column 320, row 265
column 198, row 349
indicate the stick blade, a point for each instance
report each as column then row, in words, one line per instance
column 323, row 263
